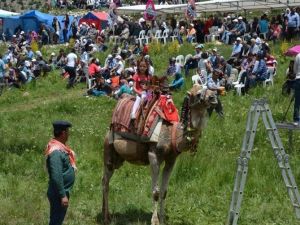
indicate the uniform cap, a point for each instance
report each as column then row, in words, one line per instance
column 61, row 125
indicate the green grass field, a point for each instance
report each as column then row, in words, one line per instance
column 200, row 186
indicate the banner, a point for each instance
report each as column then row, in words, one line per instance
column 190, row 12
column 150, row 12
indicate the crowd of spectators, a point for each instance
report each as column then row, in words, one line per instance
column 247, row 64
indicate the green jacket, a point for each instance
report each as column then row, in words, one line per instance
column 61, row 173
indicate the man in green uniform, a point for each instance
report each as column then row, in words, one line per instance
column 60, row 161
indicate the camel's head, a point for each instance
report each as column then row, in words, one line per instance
column 202, row 97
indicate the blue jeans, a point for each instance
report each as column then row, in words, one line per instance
column 98, row 93
column 57, row 211
column 297, row 100
column 65, row 35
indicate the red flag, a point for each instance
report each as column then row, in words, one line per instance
column 150, row 12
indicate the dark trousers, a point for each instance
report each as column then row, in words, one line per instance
column 65, row 35
column 72, row 75
column 57, row 211
column 297, row 100
column 190, row 64
column 218, row 108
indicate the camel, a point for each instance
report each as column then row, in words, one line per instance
column 154, row 154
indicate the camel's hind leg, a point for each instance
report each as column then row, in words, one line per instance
column 111, row 162
column 154, row 165
column 169, row 165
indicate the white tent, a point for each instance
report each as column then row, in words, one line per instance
column 216, row 6
column 4, row 13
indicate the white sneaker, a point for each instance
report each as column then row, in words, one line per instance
column 296, row 123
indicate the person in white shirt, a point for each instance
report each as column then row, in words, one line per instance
column 71, row 63
column 119, row 66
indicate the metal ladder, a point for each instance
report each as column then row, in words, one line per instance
column 257, row 109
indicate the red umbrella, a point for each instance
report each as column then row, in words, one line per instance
column 293, row 51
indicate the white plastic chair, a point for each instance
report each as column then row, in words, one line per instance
column 196, row 79
column 141, row 37
column 165, row 35
column 187, row 57
column 175, row 34
column 204, row 75
column 157, row 35
column 180, row 59
column 271, row 72
column 238, row 88
column 238, row 78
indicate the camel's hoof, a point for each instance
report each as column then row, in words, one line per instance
column 154, row 219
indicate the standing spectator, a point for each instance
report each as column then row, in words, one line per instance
column 61, row 166
column 56, row 26
column 263, row 26
column 66, row 28
column 71, row 67
column 74, row 28
column 292, row 24
column 297, row 90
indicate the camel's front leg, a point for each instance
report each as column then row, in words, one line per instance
column 169, row 165
column 154, row 165
column 107, row 174
column 105, row 186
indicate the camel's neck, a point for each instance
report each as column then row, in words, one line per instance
column 193, row 128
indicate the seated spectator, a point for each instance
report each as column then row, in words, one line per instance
column 115, row 80
column 270, row 60
column 236, row 52
column 191, row 32
column 171, row 68
column 192, row 63
column 100, row 87
column 93, row 68
column 177, row 83
column 214, row 85
column 205, row 64
column 254, row 48
column 119, row 67
column 259, row 72
column 124, row 89
column 275, row 31
column 245, row 50
column 214, row 58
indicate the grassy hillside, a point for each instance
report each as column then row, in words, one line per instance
column 200, row 186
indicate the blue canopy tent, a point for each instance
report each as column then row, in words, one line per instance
column 32, row 20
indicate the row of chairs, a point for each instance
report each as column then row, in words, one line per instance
column 270, row 81
column 158, row 36
column 202, row 80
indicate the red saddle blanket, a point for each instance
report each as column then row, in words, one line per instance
column 147, row 118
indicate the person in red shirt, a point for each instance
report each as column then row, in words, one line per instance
column 145, row 49
column 93, row 68
column 141, row 78
column 270, row 60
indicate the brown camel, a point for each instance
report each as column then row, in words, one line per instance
column 154, row 154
